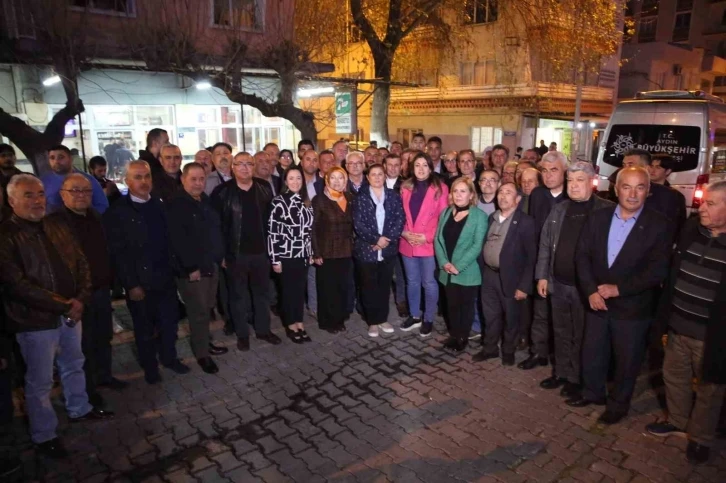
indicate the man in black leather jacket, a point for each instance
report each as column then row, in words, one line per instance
column 243, row 204
column 46, row 283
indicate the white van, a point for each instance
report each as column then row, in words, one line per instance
column 688, row 125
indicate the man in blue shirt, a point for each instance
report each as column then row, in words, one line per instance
column 61, row 164
column 622, row 258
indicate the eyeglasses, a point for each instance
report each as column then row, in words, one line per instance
column 76, row 192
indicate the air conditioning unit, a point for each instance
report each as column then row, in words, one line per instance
column 677, row 69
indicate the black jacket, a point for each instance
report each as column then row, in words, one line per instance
column 154, row 162
column 195, row 234
column 540, row 205
column 518, row 256
column 165, row 187
column 669, row 202
column 128, row 242
column 714, row 350
column 639, row 268
column 226, row 202
column 29, row 288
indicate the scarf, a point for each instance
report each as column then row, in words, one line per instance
column 335, row 195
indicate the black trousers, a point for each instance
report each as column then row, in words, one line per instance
column 568, row 326
column 96, row 335
column 375, row 289
column 248, row 279
column 625, row 339
column 501, row 315
column 7, row 408
column 332, row 282
column 156, row 321
column 460, row 308
column 293, row 281
column 541, row 322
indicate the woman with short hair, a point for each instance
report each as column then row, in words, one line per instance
column 378, row 221
column 459, row 240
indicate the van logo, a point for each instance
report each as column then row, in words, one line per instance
column 622, row 144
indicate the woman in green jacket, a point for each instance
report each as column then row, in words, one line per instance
column 458, row 243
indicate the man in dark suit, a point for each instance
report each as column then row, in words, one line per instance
column 622, row 258
column 264, row 169
column 509, row 256
column 669, row 202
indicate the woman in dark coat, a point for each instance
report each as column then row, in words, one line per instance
column 378, row 220
column 332, row 243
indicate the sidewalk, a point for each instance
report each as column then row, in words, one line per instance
column 349, row 408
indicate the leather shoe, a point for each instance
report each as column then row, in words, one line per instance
column 95, row 414
column 53, row 449
column 270, row 338
column 208, row 365
column 95, row 399
column 507, row 359
column 9, row 466
column 484, row 356
column 178, row 366
column 456, row 345
column 552, row 382
column 531, row 362
column 611, row 417
column 216, row 350
column 581, row 402
column 243, row 344
column 115, row 384
column 152, row 377
column 571, row 390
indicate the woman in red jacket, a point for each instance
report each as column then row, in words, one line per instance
column 424, row 198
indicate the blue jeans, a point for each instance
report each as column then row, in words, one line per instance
column 420, row 272
column 40, row 349
column 312, row 289
column 476, row 326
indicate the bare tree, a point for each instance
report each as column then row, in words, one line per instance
column 57, row 45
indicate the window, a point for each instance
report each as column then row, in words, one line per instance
column 480, row 11
column 477, row 73
column 354, row 34
column 244, row 14
column 484, row 137
column 682, row 27
column 19, row 20
column 719, row 81
column 120, row 7
column 647, row 28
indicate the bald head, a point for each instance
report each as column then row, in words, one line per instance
column 204, row 158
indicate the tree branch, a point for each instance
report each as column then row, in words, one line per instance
column 356, row 10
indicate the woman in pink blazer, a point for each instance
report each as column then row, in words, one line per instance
column 424, row 198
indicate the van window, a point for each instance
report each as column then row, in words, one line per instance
column 681, row 142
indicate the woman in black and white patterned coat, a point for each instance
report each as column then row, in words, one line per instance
column 288, row 245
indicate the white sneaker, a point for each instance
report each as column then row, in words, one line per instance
column 117, row 327
column 373, row 331
column 386, row 327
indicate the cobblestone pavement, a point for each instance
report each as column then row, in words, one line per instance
column 350, row 408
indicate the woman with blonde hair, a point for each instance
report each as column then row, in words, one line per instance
column 459, row 241
column 332, row 241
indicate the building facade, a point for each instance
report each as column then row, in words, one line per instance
column 675, row 45
column 124, row 97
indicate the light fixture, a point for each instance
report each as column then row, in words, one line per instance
column 592, row 125
column 203, row 85
column 579, row 125
column 315, row 91
column 52, row 80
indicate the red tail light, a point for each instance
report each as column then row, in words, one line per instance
column 701, row 183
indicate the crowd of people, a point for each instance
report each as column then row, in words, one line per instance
column 517, row 252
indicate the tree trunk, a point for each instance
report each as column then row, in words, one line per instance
column 383, row 62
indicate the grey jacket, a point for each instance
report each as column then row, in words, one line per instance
column 550, row 238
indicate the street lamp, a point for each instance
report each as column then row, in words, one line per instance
column 203, row 85
column 51, row 80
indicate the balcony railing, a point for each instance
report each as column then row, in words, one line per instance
column 538, row 89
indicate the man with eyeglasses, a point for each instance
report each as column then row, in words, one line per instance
column 61, row 165
column 97, row 322
column 488, row 184
column 46, row 284
column 243, row 204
